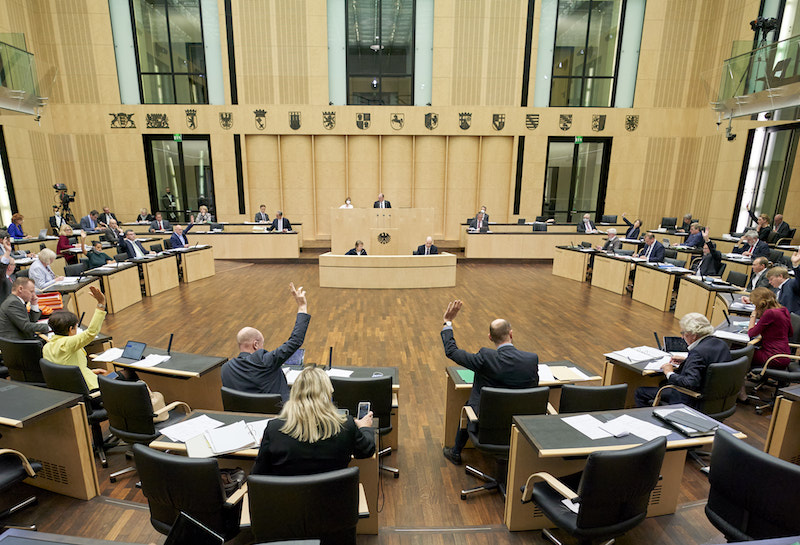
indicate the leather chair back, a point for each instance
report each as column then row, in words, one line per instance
column 499, row 405
column 721, row 387
column 348, row 392
column 22, row 359
column 322, row 506
column 75, row 270
column 130, row 412
column 737, row 278
column 581, row 399
column 246, row 402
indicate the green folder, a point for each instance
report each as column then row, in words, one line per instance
column 466, row 375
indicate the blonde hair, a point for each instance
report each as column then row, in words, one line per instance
column 47, row 256
column 309, row 413
column 63, row 230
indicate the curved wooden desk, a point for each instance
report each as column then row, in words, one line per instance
column 387, row 271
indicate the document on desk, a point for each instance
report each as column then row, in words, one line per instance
column 468, row 375
column 291, row 374
column 637, row 355
column 588, row 425
column 743, row 338
column 230, row 438
column 562, row 372
column 342, row 373
column 655, row 365
column 628, row 425
column 183, row 431
column 151, row 360
column 545, row 374
column 109, row 355
column 742, row 307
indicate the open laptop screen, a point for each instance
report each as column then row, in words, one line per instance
column 133, row 350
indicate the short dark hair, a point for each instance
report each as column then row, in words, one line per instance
column 128, row 231
column 20, row 281
column 94, row 213
column 61, row 321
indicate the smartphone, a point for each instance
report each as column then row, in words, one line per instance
column 363, row 409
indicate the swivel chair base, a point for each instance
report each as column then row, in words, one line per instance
column 393, row 470
column 33, row 500
column 491, row 485
column 549, row 535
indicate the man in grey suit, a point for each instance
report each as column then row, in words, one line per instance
column 160, row 224
column 90, row 222
column 613, row 244
column 16, row 322
column 758, row 278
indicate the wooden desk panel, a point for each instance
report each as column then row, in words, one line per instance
column 201, row 392
column 348, row 225
column 611, row 274
column 387, row 272
column 197, row 264
column 160, row 275
column 619, row 374
column 783, row 441
column 570, row 264
column 250, row 245
column 539, row 245
column 694, row 298
column 653, row 287
column 122, row 289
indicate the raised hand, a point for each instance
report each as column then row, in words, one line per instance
column 452, row 310
column 98, row 295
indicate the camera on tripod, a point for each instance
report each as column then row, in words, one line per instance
column 64, row 198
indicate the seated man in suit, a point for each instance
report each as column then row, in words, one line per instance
column 113, row 233
column 160, row 224
column 781, row 227
column 480, row 222
column 613, row 243
column 7, row 277
column 132, row 246
column 16, row 322
column 261, row 215
column 653, row 250
column 178, row 238
column 107, row 215
column 503, row 367
column 56, row 220
column 686, row 224
column 485, row 214
column 91, row 222
column 280, row 223
column 758, row 276
column 381, row 202
column 429, row 248
column 752, row 246
column 711, row 262
column 257, row 371
column 587, row 225
column 787, row 289
column 704, row 349
column 358, row 250
column 695, row 238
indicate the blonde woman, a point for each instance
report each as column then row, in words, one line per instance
column 203, row 216
column 309, row 435
column 64, row 244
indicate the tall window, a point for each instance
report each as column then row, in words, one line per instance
column 380, row 51
column 8, row 203
column 169, row 45
column 575, row 178
column 586, row 51
column 764, row 184
column 185, row 169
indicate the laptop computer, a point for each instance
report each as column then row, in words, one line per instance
column 43, row 234
column 675, row 344
column 132, row 353
column 297, row 358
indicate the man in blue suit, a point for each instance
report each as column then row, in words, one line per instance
column 787, row 289
column 280, row 223
column 90, row 222
column 704, row 349
column 178, row 238
column 653, row 250
column 695, row 238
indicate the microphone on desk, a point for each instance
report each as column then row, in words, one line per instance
column 169, row 346
column 81, row 320
column 726, row 316
column 330, row 358
column 658, row 341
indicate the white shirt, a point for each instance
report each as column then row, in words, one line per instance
column 756, row 278
column 346, row 206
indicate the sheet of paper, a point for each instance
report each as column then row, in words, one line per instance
column 587, row 425
column 198, row 447
column 151, row 361
column 468, row 375
column 626, row 424
column 183, row 431
column 728, row 336
column 545, row 374
column 571, row 505
column 655, row 365
column 334, row 372
column 562, row 372
column 291, row 375
column 257, row 429
column 109, row 355
column 230, row 438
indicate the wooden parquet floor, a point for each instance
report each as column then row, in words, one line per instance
column 555, row 317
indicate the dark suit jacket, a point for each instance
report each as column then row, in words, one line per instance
column 762, row 281
column 656, row 254
column 710, row 264
column 783, row 230
column 260, row 372
column 615, row 244
column 505, row 367
column 352, row 251
column 485, row 218
column 16, row 323
column 691, row 372
column 105, row 218
column 178, row 242
column 167, row 201
column 582, row 228
column 56, row 225
column 5, row 285
column 112, row 236
column 259, row 218
column 280, row 454
column 386, row 204
column 789, row 295
column 286, row 224
column 128, row 246
column 695, row 240
column 167, row 225
column 632, row 232
column 148, row 217
column 421, row 249
column 86, row 223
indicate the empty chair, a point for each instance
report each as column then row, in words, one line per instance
column 283, row 508
column 787, row 240
column 737, row 278
column 68, row 378
column 608, row 218
column 75, row 270
column 581, row 399
column 539, row 226
column 669, row 252
column 612, row 492
column 520, row 221
column 586, row 244
column 167, row 244
column 490, row 431
column 15, row 468
column 246, row 402
column 216, row 227
column 121, row 256
column 173, row 484
column 624, row 252
column 752, row 493
column 22, row 359
column 675, row 262
column 156, row 248
column 777, row 257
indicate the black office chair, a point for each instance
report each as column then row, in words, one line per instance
column 539, row 226
column 747, row 352
column 85, row 261
column 121, row 256
column 772, row 237
column 608, row 218
column 586, row 244
column 520, row 221
column 246, row 402
column 167, row 244
column 777, row 257
column 156, row 248
column 15, row 468
column 216, row 227
column 130, row 414
column 22, row 273
column 751, row 492
column 787, row 240
column 173, row 484
column 75, row 270
column 781, row 377
column 349, row 392
column 490, row 431
column 541, row 218
column 284, row 508
column 721, row 270
column 582, row 399
column 612, row 492
column 737, row 278
column 624, row 252
column 68, row 378
column 675, row 262
column 22, row 359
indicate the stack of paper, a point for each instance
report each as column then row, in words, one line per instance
column 151, row 360
column 637, row 355
column 226, row 439
column 545, row 375
column 183, row 431
column 109, row 355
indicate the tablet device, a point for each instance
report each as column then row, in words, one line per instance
column 132, row 353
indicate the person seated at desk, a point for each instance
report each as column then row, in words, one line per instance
column 113, row 233
column 704, row 349
column 787, row 289
column 503, row 367
column 15, row 227
column 429, row 248
column 132, row 246
column 686, row 224
column 358, row 250
column 480, row 223
column 781, row 227
column 633, row 228
column 97, row 257
column 612, row 244
column 17, row 323
column 107, row 216
column 485, row 214
column 56, row 220
column 65, row 244
column 280, row 223
column 203, row 216
column 40, row 271
column 347, row 203
column 758, row 275
column 381, row 202
column 178, row 238
column 587, row 225
column 160, row 224
column 66, row 347
column 653, row 250
column 7, row 278
column 310, row 435
column 773, row 324
column 262, row 216
column 144, row 216
column 752, row 246
column 695, row 238
column 762, row 224
column 711, row 262
column 257, row 371
column 91, row 221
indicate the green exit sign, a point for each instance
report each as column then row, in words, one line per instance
column 579, row 139
column 177, row 137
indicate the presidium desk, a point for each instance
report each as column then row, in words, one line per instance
column 530, row 245
column 384, row 231
column 387, row 271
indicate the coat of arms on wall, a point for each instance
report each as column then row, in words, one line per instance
column 226, row 120
column 565, row 121
column 531, row 121
column 157, row 121
column 363, row 121
column 328, row 120
column 191, row 119
column 431, row 121
column 498, row 121
column 260, row 119
column 631, row 122
column 397, row 121
column 294, row 120
column 464, row 120
column 122, row 121
column 598, row 122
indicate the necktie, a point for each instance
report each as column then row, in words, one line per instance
column 427, row 250
column 160, row 226
column 649, row 248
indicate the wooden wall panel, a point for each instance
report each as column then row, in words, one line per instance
column 686, row 182
column 429, row 177
column 495, row 186
column 290, row 35
column 505, row 52
column 463, row 164
column 297, row 175
column 656, row 186
column 397, row 169
column 254, row 66
column 331, row 178
column 467, row 61
column 363, row 170
column 94, row 171
column 263, row 174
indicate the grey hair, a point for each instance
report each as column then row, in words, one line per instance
column 696, row 324
column 751, row 234
column 611, row 231
column 47, row 256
